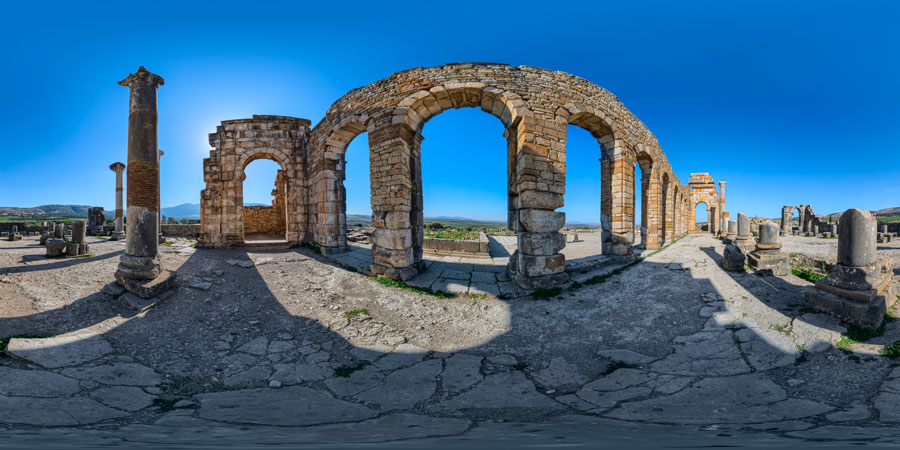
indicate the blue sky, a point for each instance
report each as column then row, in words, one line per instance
column 790, row 102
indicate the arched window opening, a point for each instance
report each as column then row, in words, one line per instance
column 264, row 201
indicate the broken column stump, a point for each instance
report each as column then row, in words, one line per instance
column 767, row 258
column 860, row 287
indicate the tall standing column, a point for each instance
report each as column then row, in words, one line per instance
column 160, row 238
column 119, row 231
column 140, row 265
column 723, row 224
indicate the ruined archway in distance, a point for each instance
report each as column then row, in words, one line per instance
column 703, row 189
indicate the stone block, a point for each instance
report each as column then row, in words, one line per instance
column 541, row 220
column 535, row 266
column 733, row 258
column 864, row 309
column 778, row 264
column 393, row 239
column 541, row 244
column 150, row 288
column 539, row 200
column 56, row 247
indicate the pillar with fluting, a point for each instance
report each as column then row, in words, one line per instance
column 140, row 265
column 119, row 231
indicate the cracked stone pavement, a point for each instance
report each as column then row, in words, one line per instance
column 261, row 341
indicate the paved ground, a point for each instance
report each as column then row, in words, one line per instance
column 480, row 276
column 285, row 346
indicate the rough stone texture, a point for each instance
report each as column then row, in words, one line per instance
column 59, row 351
column 119, row 231
column 767, row 258
column 95, row 221
column 860, row 287
column 288, row 406
column 733, row 258
column 55, row 247
column 703, row 190
column 535, row 105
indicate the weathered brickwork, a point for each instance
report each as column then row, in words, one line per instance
column 535, row 106
column 703, row 189
column 237, row 143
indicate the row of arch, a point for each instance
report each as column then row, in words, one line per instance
column 535, row 107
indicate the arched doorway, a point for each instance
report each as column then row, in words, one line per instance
column 701, row 217
column 263, row 215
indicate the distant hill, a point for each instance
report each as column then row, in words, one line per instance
column 61, row 211
column 881, row 214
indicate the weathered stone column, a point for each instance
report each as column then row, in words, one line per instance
column 119, row 231
column 77, row 247
column 723, row 221
column 744, row 239
column 767, row 259
column 732, row 231
column 140, row 265
column 860, row 288
column 162, row 240
column 617, row 198
column 60, row 231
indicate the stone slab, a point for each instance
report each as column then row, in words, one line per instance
column 61, row 351
column 288, row 406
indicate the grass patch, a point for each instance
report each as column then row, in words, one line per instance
column 315, row 248
column 453, row 234
column 355, row 312
column 346, row 371
column 891, row 351
column 544, row 294
column 169, row 243
column 807, row 274
column 785, row 330
column 401, row 285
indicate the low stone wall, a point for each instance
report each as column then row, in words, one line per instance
column 456, row 247
column 180, row 229
column 263, row 220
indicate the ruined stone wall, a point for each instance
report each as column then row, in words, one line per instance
column 237, row 143
column 267, row 219
column 703, row 189
column 180, row 229
column 535, row 106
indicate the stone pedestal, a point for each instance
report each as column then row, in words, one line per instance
column 733, row 259
column 744, row 240
column 140, row 266
column 732, row 232
column 56, row 247
column 767, row 258
column 860, row 288
column 77, row 246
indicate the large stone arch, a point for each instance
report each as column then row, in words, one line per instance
column 237, row 143
column 535, row 105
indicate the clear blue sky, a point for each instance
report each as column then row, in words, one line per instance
column 790, row 102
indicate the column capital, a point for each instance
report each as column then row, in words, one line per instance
column 117, row 167
column 142, row 76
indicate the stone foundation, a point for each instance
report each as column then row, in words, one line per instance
column 458, row 247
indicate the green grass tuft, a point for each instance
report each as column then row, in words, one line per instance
column 544, row 294
column 389, row 282
column 315, row 248
column 892, row 351
column 355, row 312
column 807, row 274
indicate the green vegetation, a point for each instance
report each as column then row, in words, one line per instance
column 453, row 234
column 315, row 248
column 856, row 335
column 785, row 330
column 544, row 294
column 892, row 351
column 889, row 219
column 401, row 285
column 355, row 312
column 807, row 274
column 346, row 371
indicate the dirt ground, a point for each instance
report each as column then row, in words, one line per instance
column 292, row 339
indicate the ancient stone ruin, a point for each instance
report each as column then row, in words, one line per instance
column 14, row 234
column 860, row 287
column 809, row 223
column 139, row 268
column 767, row 258
column 95, row 221
column 744, row 240
column 77, row 246
column 535, row 106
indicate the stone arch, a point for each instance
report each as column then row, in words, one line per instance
column 703, row 189
column 667, row 221
column 651, row 201
column 235, row 144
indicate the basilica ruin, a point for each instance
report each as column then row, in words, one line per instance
column 535, row 106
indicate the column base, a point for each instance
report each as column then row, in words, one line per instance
column 864, row 309
column 116, row 235
column 137, row 268
column 149, row 288
column 394, row 273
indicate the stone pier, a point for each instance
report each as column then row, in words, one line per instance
column 119, row 232
column 732, row 231
column 860, row 288
column 744, row 239
column 77, row 246
column 95, row 221
column 723, row 218
column 139, row 269
column 767, row 258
